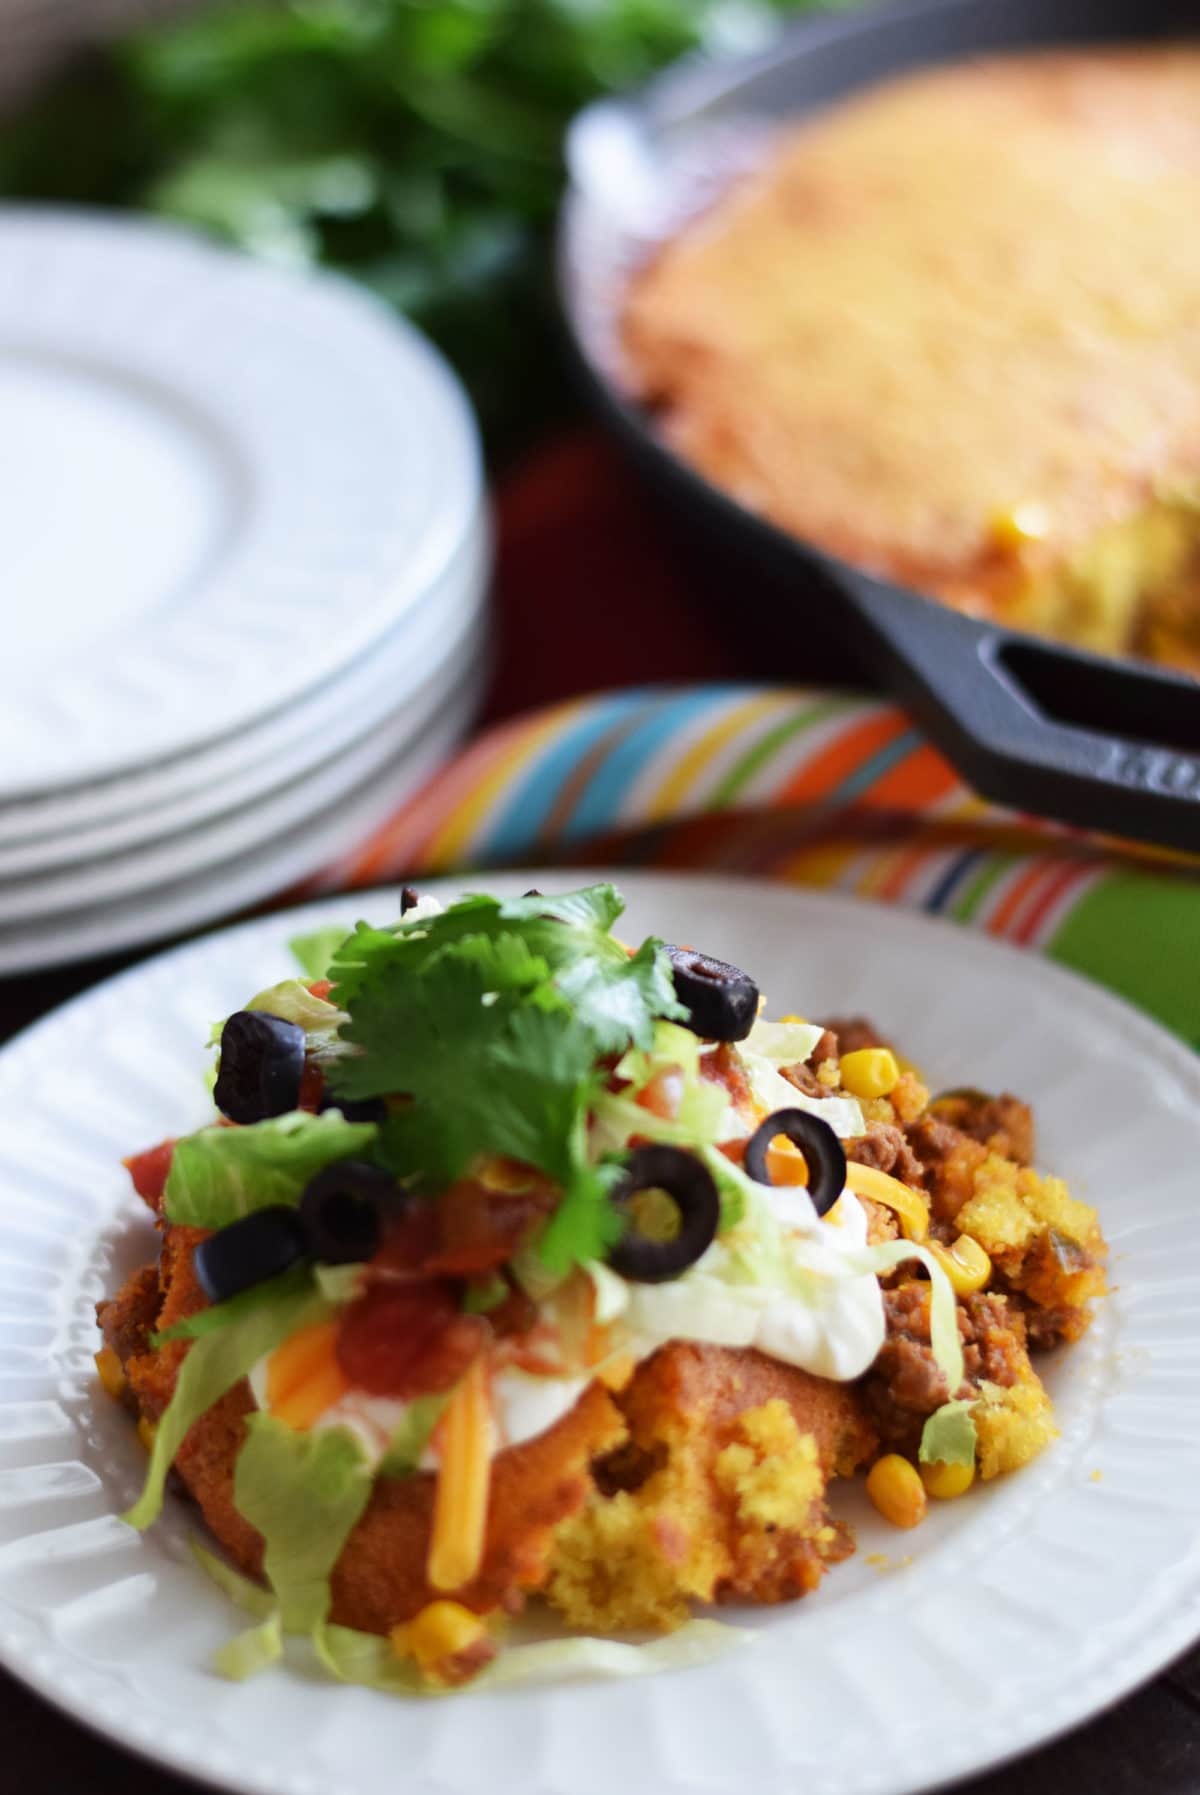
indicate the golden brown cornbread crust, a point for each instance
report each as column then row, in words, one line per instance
column 950, row 333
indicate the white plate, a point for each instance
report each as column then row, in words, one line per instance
column 228, row 837
column 274, row 865
column 219, row 483
column 1024, row 1609
column 37, row 834
column 399, row 686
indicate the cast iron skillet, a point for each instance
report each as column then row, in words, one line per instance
column 1088, row 739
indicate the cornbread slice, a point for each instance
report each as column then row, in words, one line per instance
column 951, row 333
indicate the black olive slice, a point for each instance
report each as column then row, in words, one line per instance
column 354, row 1109
column 409, row 899
column 721, row 1000
column 690, row 1185
column 250, row 1251
column 261, row 1066
column 823, row 1153
column 344, row 1210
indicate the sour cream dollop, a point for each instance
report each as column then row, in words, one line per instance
column 820, row 1315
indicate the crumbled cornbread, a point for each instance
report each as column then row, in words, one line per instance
column 700, row 1526
column 1013, row 1425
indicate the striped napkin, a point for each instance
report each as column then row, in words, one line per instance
column 807, row 786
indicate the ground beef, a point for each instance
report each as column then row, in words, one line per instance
column 827, row 1048
column 1047, row 1328
column 949, row 1160
column 853, row 1032
column 805, row 1079
column 885, row 1147
column 904, row 1385
column 1003, row 1124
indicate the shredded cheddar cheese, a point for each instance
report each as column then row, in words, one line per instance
column 464, row 1481
column 304, row 1377
column 881, row 1187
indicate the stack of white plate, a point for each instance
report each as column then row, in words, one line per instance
column 243, row 564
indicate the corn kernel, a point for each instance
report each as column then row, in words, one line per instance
column 945, row 1482
column 792, row 1017
column 871, row 1072
column 110, row 1372
column 965, row 1264
column 146, row 1433
column 897, row 1491
column 440, row 1631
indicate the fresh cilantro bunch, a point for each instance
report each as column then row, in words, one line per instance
column 499, row 1020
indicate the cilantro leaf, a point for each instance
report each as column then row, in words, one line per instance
column 498, row 1021
column 595, row 906
column 507, row 1076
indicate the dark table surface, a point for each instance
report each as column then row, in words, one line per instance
column 572, row 522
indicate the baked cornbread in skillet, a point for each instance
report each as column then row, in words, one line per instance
column 950, row 332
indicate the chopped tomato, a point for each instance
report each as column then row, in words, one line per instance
column 149, row 1170
column 516, row 1315
column 722, row 1066
column 411, row 1244
column 312, row 1086
column 663, row 1095
column 482, row 1227
column 321, row 988
column 408, row 1340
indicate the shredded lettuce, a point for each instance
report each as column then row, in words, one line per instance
column 304, row 1492
column 216, row 1361
column 220, row 1174
column 249, row 1652
column 565, row 1660
column 701, row 1120
column 610, row 1292
column 672, row 1045
column 242, row 1591
column 770, row 1089
column 949, row 1437
column 408, row 1442
column 320, row 1020
column 298, row 1281
column 338, row 1284
column 366, row 1659
column 314, row 953
column 294, row 1002
column 783, row 1043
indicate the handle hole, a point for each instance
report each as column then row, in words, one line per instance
column 1145, row 706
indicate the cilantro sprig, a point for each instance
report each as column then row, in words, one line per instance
column 498, row 1020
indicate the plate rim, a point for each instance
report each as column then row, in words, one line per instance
column 1103, row 1688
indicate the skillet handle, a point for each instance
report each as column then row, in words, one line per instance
column 1087, row 740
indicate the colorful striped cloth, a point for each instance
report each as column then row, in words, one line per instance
column 812, row 787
